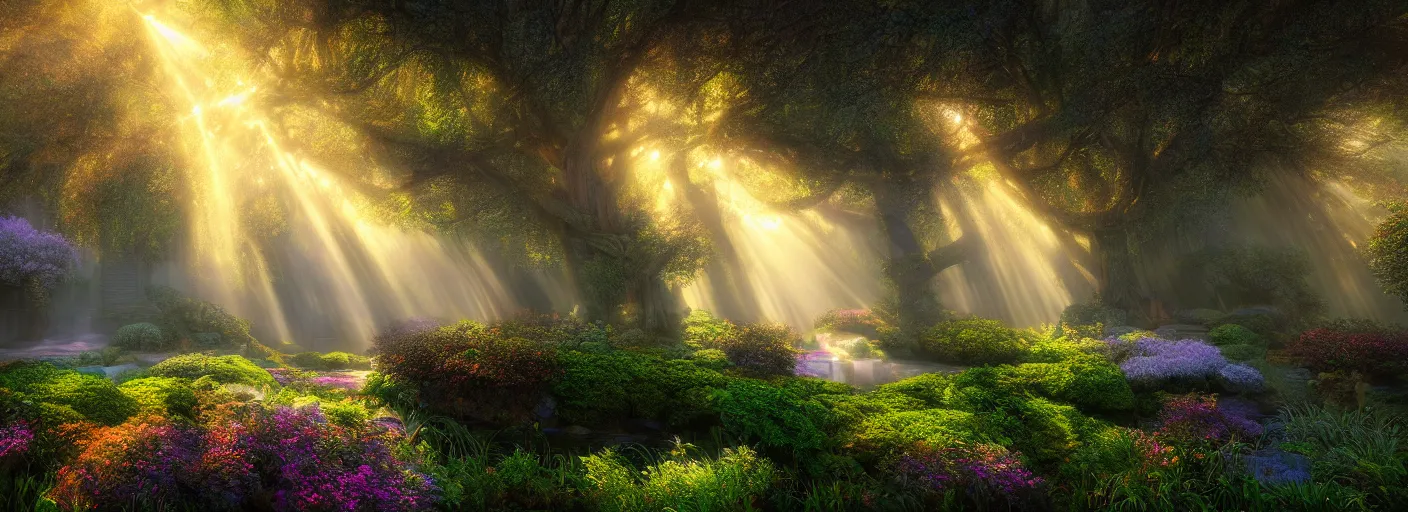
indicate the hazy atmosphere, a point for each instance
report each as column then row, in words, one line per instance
column 709, row 256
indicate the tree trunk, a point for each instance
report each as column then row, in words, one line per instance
column 1118, row 285
column 907, row 266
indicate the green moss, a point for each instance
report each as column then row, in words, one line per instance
column 222, row 369
column 163, row 395
column 1242, row 352
column 774, row 417
column 330, row 361
column 972, row 341
column 1233, row 334
column 95, row 398
column 890, row 433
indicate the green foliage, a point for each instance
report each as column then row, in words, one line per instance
column 205, row 324
column 929, row 388
column 163, row 395
column 762, row 350
column 711, row 358
column 223, row 369
column 774, row 417
column 1242, row 352
column 1365, row 449
column 346, row 413
column 1052, row 350
column 704, row 330
column 1250, row 276
column 1092, row 314
column 1388, row 251
column 95, row 398
column 140, row 336
column 972, row 341
column 1087, row 381
column 598, row 389
column 1233, row 334
column 734, row 481
column 889, row 433
column 330, row 361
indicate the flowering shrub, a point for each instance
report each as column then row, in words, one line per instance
column 28, row 255
column 1155, row 360
column 1196, row 419
column 1371, row 351
column 981, row 469
column 1240, row 377
column 145, row 461
column 859, row 321
column 972, row 341
column 762, row 349
column 15, row 439
column 252, row 457
column 471, row 371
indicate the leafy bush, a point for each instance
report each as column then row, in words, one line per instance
column 1054, row 350
column 1233, row 334
column 162, row 395
column 330, row 361
column 256, row 457
column 983, row 473
column 94, row 398
column 1242, row 352
column 1087, row 381
column 972, row 341
column 140, row 336
column 773, row 416
column 29, row 257
column 222, row 369
column 858, row 321
column 733, row 481
column 205, row 324
column 1347, row 348
column 470, row 371
column 600, row 388
column 1388, row 258
column 711, row 358
column 1250, row 276
column 891, row 433
column 1089, row 319
column 1364, row 448
column 703, row 330
column 761, row 350
column 1198, row 420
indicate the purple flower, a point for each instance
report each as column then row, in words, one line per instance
column 15, row 439
column 807, row 360
column 1153, row 360
column 1242, row 377
column 27, row 254
column 972, row 467
column 341, row 380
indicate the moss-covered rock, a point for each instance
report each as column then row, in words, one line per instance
column 95, row 398
column 223, row 369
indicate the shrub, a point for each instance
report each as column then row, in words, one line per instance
column 330, row 361
column 1055, row 350
column 986, row 473
column 773, row 417
column 95, row 398
column 1242, row 352
column 1375, row 352
column 140, row 336
column 1388, row 258
column 15, row 439
column 1087, row 381
column 858, row 321
column 162, row 395
column 929, row 388
column 703, row 330
column 972, row 341
column 891, row 433
column 1197, row 420
column 1233, row 334
column 205, row 324
column 600, row 388
column 470, row 371
column 1243, row 276
column 761, row 350
column 711, row 358
column 29, row 257
column 222, row 369
column 734, row 481
column 1155, row 361
column 252, row 457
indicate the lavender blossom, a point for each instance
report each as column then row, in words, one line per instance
column 1155, row 360
column 29, row 255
